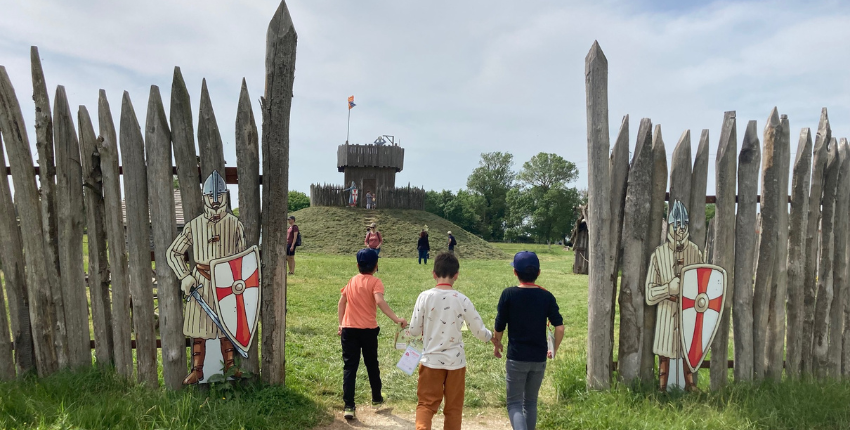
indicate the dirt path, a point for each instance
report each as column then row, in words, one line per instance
column 393, row 418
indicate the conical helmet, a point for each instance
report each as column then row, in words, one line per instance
column 678, row 215
column 214, row 186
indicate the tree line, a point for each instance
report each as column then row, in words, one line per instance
column 534, row 204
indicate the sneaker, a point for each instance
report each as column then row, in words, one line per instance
column 378, row 403
column 349, row 413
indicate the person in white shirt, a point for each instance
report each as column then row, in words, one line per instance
column 438, row 316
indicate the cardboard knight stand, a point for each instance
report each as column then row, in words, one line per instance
column 689, row 295
column 223, row 288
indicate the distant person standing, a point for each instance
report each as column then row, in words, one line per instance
column 369, row 200
column 291, row 242
column 452, row 243
column 373, row 238
column 424, row 246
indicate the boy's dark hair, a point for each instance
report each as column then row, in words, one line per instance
column 366, row 268
column 528, row 275
column 446, row 265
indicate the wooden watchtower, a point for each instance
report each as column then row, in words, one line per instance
column 371, row 167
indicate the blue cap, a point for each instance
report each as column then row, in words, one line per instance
column 525, row 261
column 367, row 257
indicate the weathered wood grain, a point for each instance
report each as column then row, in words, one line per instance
column 724, row 240
column 839, row 271
column 7, row 362
column 657, row 225
column 209, row 137
column 599, row 344
column 825, row 281
column 796, row 252
column 114, row 217
column 699, row 183
column 183, row 141
column 69, row 209
column 47, row 181
column 618, row 171
column 819, row 160
column 161, row 198
column 98, row 282
column 281, row 41
column 749, row 161
column 765, row 269
column 775, row 348
column 680, row 172
column 41, row 310
column 14, row 273
column 138, row 241
column 636, row 220
column 248, row 166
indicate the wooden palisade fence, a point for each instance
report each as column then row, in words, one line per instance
column 787, row 270
column 385, row 198
column 81, row 190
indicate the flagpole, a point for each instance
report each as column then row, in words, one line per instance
column 348, row 132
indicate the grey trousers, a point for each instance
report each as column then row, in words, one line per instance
column 523, row 384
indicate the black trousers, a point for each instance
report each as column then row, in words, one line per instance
column 354, row 341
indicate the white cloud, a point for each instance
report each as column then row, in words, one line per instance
column 451, row 79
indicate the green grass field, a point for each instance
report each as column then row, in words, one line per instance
column 98, row 399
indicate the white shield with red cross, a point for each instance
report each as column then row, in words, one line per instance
column 236, row 282
column 703, row 289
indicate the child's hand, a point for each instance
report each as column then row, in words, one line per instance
column 497, row 347
column 550, row 354
column 339, row 331
column 402, row 322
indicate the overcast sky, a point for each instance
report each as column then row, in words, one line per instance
column 451, row 79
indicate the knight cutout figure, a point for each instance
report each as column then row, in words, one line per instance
column 223, row 287
column 689, row 296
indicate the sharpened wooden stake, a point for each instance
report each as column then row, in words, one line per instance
column 820, row 340
column 209, row 137
column 724, row 241
column 248, row 167
column 839, row 272
column 281, row 41
column 635, row 233
column 114, row 216
column 98, row 282
column 183, row 139
column 749, row 161
column 819, row 160
column 699, row 183
column 680, row 172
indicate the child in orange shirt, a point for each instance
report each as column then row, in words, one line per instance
column 358, row 328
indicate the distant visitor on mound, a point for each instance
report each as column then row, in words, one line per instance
column 372, row 169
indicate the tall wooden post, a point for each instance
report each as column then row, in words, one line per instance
column 819, row 160
column 635, row 226
column 618, row 171
column 724, row 241
column 209, row 137
column 680, row 172
column 114, row 217
column 98, row 282
column 657, row 221
column 749, row 162
column 599, row 343
column 161, row 195
column 14, row 273
column 796, row 252
column 820, row 341
column 41, row 309
column 839, row 273
column 47, row 181
column 248, row 167
column 281, row 41
column 69, row 208
column 138, row 241
column 775, row 348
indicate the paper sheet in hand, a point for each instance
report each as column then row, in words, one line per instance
column 550, row 342
column 409, row 361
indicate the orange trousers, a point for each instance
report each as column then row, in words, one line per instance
column 434, row 384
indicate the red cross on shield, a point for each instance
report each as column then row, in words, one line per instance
column 236, row 282
column 703, row 289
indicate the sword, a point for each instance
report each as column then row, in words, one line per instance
column 203, row 303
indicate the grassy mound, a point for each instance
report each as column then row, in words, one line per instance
column 333, row 230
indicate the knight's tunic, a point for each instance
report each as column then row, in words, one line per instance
column 666, row 264
column 214, row 234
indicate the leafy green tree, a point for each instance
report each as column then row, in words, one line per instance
column 298, row 201
column 492, row 180
column 461, row 209
column 542, row 206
